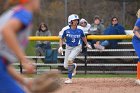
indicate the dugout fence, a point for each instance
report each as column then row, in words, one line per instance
column 125, row 55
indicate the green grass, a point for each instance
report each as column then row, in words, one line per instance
column 30, row 50
column 103, row 76
column 94, row 75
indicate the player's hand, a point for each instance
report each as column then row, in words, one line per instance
column 88, row 46
column 28, row 65
column 60, row 50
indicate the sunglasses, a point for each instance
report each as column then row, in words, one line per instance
column 83, row 23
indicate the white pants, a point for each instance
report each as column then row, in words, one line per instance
column 70, row 54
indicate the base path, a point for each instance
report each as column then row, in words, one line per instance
column 101, row 85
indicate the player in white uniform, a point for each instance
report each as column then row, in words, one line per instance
column 73, row 36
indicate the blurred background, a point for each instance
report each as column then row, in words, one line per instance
column 55, row 12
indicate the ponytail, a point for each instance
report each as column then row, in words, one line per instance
column 138, row 13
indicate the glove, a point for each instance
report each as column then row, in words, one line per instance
column 60, row 50
column 88, row 46
column 46, row 83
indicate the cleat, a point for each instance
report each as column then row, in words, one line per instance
column 137, row 82
column 74, row 71
column 69, row 81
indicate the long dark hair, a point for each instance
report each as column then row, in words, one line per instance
column 40, row 29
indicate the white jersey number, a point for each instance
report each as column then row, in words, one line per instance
column 73, row 40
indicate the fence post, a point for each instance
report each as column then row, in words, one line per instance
column 20, row 66
column 84, row 51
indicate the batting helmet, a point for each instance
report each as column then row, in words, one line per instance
column 72, row 17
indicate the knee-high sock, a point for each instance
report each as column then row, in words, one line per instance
column 70, row 71
column 138, row 70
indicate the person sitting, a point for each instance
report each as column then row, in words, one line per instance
column 114, row 29
column 41, row 46
column 97, row 28
column 85, row 25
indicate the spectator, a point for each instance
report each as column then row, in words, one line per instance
column 41, row 46
column 114, row 29
column 85, row 25
column 97, row 27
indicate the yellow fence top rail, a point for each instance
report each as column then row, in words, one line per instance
column 89, row 37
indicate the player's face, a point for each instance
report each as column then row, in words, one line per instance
column 74, row 23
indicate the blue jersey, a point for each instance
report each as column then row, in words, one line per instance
column 138, row 25
column 136, row 40
column 73, row 37
column 24, row 16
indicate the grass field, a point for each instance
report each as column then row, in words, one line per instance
column 30, row 50
column 93, row 76
column 103, row 76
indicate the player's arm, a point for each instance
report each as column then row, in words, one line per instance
column 85, row 40
column 135, row 30
column 9, row 34
column 20, row 78
column 60, row 50
column 61, row 42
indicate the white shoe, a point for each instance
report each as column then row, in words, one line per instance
column 137, row 81
column 69, row 81
column 99, row 47
column 74, row 71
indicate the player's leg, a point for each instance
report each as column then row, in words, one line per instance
column 7, row 83
column 73, row 55
column 136, row 46
column 138, row 73
column 67, row 53
column 71, row 66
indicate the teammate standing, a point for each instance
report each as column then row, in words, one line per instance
column 15, row 27
column 73, row 36
column 136, row 44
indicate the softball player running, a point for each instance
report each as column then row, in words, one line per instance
column 15, row 27
column 73, row 36
column 136, row 44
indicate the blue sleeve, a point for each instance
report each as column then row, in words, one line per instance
column 64, row 34
column 106, row 31
column 121, row 30
column 137, row 23
column 23, row 16
column 82, row 33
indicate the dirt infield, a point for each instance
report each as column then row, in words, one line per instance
column 101, row 85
